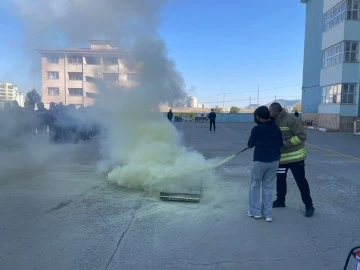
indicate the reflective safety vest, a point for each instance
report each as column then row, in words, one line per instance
column 294, row 137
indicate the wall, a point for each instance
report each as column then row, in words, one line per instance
column 333, row 36
column 60, row 83
column 311, row 96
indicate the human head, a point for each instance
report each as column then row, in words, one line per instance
column 275, row 109
column 40, row 105
column 170, row 110
column 52, row 105
column 212, row 110
column 261, row 114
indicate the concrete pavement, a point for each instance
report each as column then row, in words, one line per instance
column 70, row 217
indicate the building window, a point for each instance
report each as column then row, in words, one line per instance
column 78, row 92
column 53, row 91
column 333, row 55
column 111, row 77
column 75, row 59
column 343, row 52
column 110, row 61
column 353, row 10
column 339, row 93
column 351, row 51
column 348, row 93
column 335, row 15
column 53, row 59
column 75, row 76
column 90, row 60
column 53, row 75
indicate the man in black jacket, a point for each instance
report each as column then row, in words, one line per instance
column 212, row 117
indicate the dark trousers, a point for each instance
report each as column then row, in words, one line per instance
column 212, row 124
column 298, row 171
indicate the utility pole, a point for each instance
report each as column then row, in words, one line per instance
column 250, row 101
column 224, row 95
column 275, row 98
column 258, row 95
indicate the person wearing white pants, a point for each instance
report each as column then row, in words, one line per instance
column 266, row 137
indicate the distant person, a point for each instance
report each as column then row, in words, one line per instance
column 293, row 155
column 170, row 115
column 266, row 137
column 212, row 118
column 41, row 118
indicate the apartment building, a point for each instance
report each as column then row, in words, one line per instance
column 70, row 75
column 9, row 92
column 331, row 73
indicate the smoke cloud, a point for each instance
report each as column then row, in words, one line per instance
column 144, row 150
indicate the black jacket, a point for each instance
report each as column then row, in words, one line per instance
column 267, row 140
column 212, row 116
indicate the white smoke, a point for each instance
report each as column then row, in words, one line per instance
column 146, row 149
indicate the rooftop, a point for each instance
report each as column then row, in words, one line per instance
column 97, row 47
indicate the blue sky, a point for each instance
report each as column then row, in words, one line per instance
column 229, row 46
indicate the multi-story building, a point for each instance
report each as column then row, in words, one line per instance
column 9, row 92
column 331, row 74
column 70, row 75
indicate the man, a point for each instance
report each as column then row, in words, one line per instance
column 170, row 115
column 212, row 117
column 41, row 118
column 293, row 154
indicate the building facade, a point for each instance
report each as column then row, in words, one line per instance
column 70, row 76
column 9, row 92
column 331, row 74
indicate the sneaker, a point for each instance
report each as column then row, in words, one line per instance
column 309, row 211
column 278, row 204
column 250, row 215
column 268, row 219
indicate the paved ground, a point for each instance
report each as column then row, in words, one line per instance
column 69, row 217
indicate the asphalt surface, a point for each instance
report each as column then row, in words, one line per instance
column 57, row 212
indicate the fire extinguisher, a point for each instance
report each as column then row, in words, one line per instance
column 355, row 252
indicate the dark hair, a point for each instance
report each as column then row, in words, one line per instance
column 276, row 106
column 262, row 112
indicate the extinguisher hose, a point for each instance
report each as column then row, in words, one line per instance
column 351, row 253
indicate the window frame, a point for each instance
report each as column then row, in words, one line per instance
column 50, row 59
column 79, row 59
column 54, row 72
column 81, row 93
column 80, row 78
column 52, row 88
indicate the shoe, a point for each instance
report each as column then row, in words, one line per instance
column 268, row 219
column 250, row 215
column 278, row 204
column 309, row 211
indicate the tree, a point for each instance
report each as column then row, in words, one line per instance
column 32, row 98
column 297, row 108
column 218, row 109
column 234, row 109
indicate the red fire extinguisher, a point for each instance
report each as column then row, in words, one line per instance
column 355, row 252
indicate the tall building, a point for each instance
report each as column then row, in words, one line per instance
column 331, row 74
column 192, row 102
column 9, row 92
column 70, row 75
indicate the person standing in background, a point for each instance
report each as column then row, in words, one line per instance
column 170, row 115
column 212, row 118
